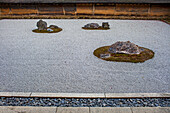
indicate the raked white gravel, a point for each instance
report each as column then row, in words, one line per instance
column 64, row 62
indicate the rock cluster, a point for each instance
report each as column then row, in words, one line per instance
column 42, row 25
column 105, row 25
column 124, row 47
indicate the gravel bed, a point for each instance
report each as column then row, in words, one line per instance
column 64, row 62
column 84, row 102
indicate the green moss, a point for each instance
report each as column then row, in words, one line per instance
column 45, row 31
column 142, row 57
column 100, row 28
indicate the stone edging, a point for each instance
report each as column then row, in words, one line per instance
column 33, row 109
column 85, row 95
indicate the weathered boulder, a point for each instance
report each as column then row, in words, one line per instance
column 53, row 26
column 124, row 47
column 42, row 25
column 105, row 25
column 92, row 25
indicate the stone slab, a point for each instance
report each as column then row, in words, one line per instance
column 15, row 94
column 69, row 95
column 17, row 109
column 150, row 109
column 136, row 95
column 72, row 110
column 110, row 110
column 84, row 95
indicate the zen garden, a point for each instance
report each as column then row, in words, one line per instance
column 118, row 52
column 84, row 56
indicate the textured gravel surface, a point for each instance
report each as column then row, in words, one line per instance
column 64, row 62
column 74, row 102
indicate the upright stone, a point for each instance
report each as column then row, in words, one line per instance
column 105, row 25
column 42, row 25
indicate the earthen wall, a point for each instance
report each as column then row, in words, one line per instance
column 138, row 10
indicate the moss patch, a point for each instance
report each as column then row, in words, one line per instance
column 146, row 54
column 45, row 31
column 100, row 28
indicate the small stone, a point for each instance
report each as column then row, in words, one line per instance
column 53, row 26
column 138, row 101
column 105, row 25
column 62, row 101
column 50, row 30
column 105, row 55
column 104, row 104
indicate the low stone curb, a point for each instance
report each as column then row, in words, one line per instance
column 137, row 95
column 85, row 95
column 15, row 94
column 18, row 109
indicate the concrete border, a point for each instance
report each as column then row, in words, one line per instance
column 33, row 109
column 69, row 95
column 85, row 95
column 15, row 94
column 137, row 95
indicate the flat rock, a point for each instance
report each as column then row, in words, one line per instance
column 53, row 26
column 92, row 25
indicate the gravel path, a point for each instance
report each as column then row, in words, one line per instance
column 84, row 102
column 64, row 62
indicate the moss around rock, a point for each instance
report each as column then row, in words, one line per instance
column 100, row 28
column 146, row 54
column 55, row 30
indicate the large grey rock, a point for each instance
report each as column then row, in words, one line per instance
column 92, row 25
column 42, row 25
column 124, row 47
column 105, row 25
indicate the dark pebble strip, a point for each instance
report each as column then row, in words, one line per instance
column 85, row 102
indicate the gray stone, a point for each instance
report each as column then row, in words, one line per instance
column 92, row 25
column 124, row 47
column 50, row 30
column 53, row 26
column 104, row 55
column 105, row 25
column 42, row 25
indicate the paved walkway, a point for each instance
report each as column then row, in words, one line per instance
column 17, row 109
